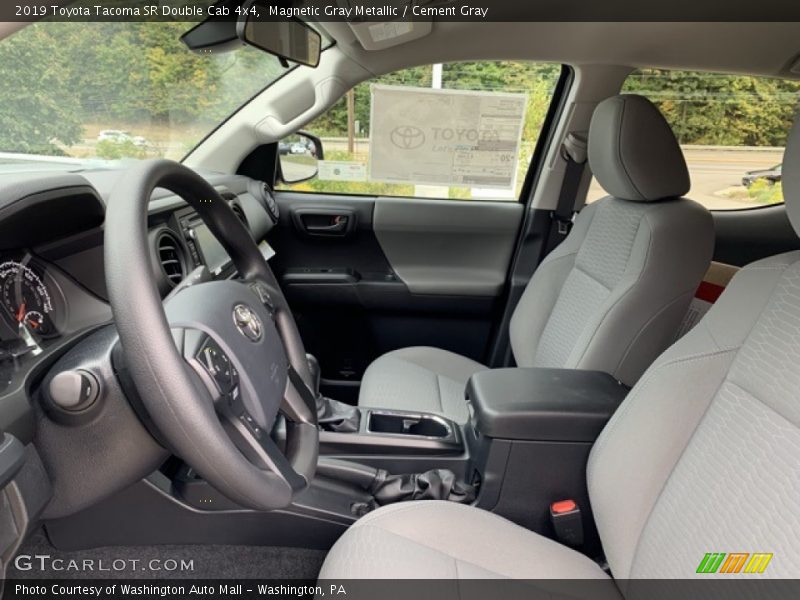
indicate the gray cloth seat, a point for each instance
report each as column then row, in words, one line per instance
column 418, row 540
column 702, row 456
column 611, row 296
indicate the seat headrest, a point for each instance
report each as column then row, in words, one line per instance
column 790, row 175
column 633, row 152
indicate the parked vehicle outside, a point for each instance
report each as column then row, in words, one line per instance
column 771, row 175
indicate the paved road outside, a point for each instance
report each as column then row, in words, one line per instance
column 716, row 174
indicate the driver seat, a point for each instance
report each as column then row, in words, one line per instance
column 702, row 456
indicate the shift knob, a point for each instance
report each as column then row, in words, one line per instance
column 74, row 390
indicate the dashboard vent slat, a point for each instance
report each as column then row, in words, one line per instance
column 269, row 199
column 171, row 257
column 239, row 212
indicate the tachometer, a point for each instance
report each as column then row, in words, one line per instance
column 26, row 298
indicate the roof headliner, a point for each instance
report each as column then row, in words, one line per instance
column 752, row 48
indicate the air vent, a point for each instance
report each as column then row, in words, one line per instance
column 269, row 199
column 239, row 212
column 171, row 257
column 263, row 194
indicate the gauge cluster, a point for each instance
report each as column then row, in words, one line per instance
column 27, row 301
column 52, row 279
column 40, row 302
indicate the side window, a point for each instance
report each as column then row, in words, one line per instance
column 459, row 131
column 732, row 130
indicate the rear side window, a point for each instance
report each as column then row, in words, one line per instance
column 456, row 131
column 732, row 130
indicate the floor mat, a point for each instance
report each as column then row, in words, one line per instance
column 38, row 559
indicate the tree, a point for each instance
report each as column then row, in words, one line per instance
column 173, row 82
column 38, row 111
column 727, row 110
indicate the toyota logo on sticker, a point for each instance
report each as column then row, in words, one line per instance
column 407, row 137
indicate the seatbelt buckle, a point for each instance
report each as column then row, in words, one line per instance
column 567, row 522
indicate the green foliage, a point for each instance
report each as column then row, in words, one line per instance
column 57, row 77
column 37, row 107
column 723, row 110
column 763, row 191
column 114, row 150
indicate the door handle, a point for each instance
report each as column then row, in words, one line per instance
column 330, row 222
column 338, row 225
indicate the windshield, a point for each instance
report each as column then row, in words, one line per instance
column 80, row 94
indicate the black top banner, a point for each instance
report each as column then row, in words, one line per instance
column 402, row 10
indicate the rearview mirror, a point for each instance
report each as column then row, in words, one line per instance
column 289, row 40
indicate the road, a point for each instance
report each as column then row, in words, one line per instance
column 715, row 172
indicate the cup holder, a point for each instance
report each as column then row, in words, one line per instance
column 408, row 424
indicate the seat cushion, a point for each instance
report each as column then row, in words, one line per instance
column 419, row 379
column 444, row 540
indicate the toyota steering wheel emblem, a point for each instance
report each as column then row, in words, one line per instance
column 247, row 322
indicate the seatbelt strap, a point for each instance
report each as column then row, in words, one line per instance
column 573, row 151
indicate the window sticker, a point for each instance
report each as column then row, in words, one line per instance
column 445, row 137
column 342, row 170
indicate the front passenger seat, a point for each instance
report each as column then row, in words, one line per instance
column 703, row 456
column 610, row 297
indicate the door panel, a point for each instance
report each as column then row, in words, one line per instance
column 401, row 272
column 446, row 246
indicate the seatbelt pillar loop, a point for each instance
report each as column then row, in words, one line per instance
column 574, row 152
column 575, row 148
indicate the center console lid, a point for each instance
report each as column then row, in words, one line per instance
column 567, row 405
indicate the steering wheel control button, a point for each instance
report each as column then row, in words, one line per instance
column 74, row 390
column 217, row 364
column 263, row 294
column 248, row 322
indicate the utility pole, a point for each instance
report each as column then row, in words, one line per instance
column 351, row 121
column 433, row 191
column 436, row 77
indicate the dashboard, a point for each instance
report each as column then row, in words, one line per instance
column 52, row 278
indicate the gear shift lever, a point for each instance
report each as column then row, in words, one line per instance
column 332, row 415
column 436, row 484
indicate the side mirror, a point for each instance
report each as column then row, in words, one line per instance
column 288, row 40
column 298, row 156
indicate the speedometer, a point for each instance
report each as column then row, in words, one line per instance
column 26, row 298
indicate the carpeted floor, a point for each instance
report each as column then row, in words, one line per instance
column 129, row 562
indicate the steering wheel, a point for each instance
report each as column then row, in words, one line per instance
column 217, row 361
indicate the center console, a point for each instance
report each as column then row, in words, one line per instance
column 529, row 436
column 392, row 432
column 524, row 447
